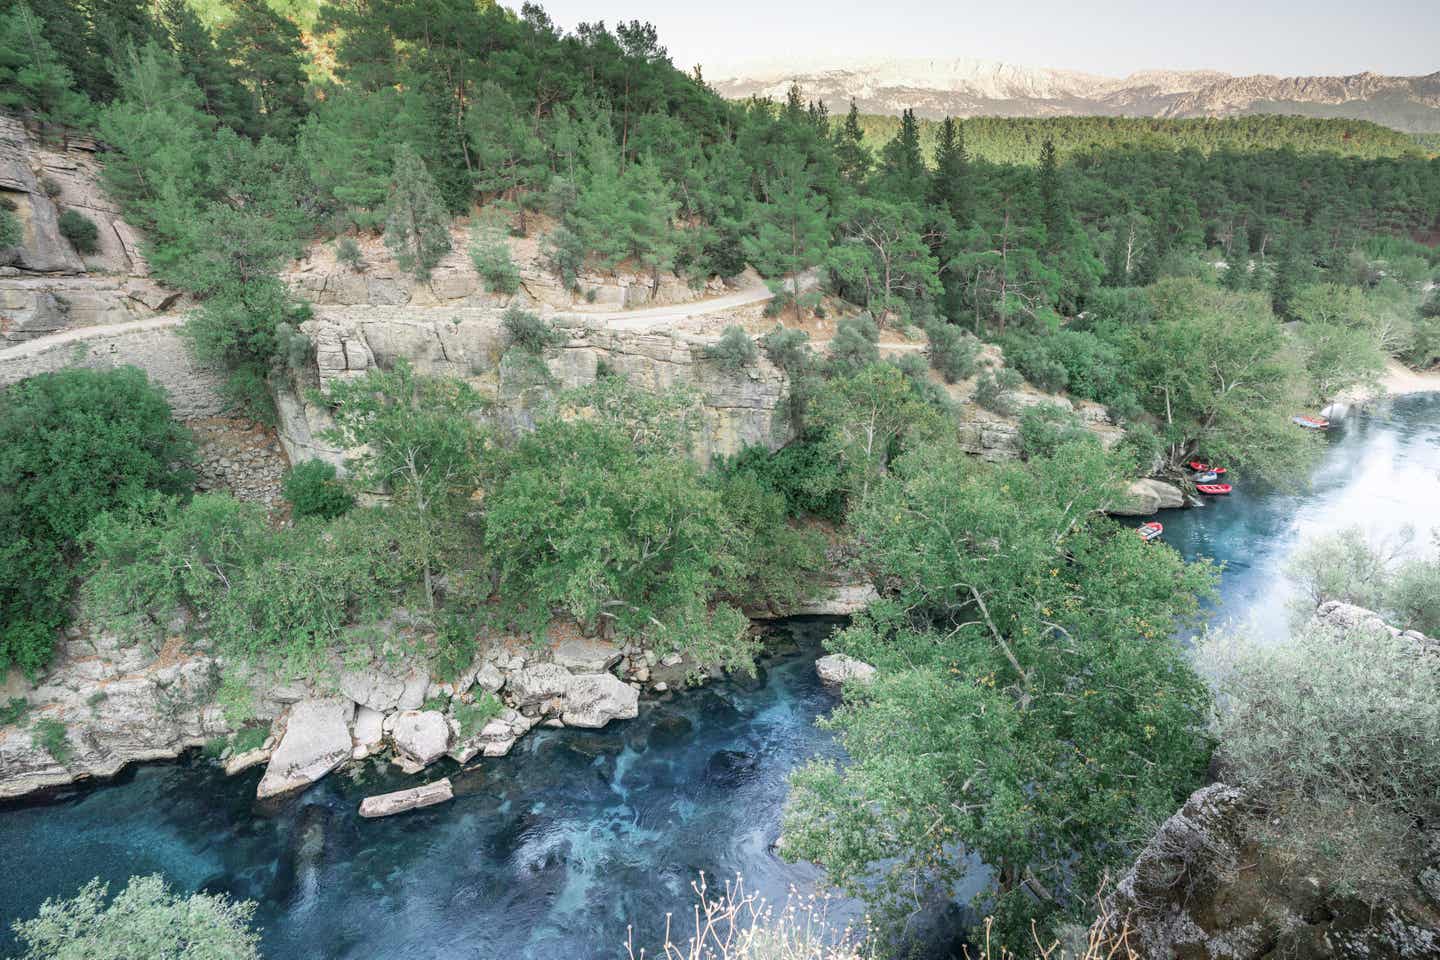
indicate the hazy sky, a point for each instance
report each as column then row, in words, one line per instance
column 1113, row 38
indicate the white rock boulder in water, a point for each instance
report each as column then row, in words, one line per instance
column 838, row 668
column 425, row 795
column 316, row 741
column 594, row 700
column 1144, row 497
column 421, row 737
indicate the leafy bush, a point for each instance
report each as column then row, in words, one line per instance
column 529, row 331
column 11, row 232
column 472, row 717
column 454, row 642
column 347, row 251
column 735, row 350
column 51, row 187
column 1350, row 567
column 81, row 231
column 13, row 711
column 1030, row 356
column 564, row 253
column 491, row 256
column 313, row 491
column 787, row 348
column 855, row 344
column 247, row 739
column 806, row 472
column 994, row 387
column 146, row 912
column 72, row 444
column 1045, row 427
column 953, row 352
column 1335, row 735
column 52, row 737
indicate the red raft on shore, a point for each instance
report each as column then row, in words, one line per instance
column 1311, row 423
column 1200, row 466
column 1150, row 531
column 1214, row 489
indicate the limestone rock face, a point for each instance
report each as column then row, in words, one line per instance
column 316, row 741
column 421, row 737
column 425, row 795
column 372, row 687
column 838, row 668
column 1148, row 495
column 595, row 699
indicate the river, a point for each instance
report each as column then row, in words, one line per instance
column 551, row 852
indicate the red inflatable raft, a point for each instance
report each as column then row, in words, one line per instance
column 1149, row 531
column 1214, row 489
column 1200, row 466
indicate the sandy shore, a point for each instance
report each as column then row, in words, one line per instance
column 1401, row 379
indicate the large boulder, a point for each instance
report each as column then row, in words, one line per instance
column 372, row 687
column 586, row 655
column 316, row 741
column 1146, row 496
column 539, row 683
column 421, row 737
column 838, row 668
column 596, row 699
column 368, row 731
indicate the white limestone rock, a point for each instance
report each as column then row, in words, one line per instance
column 316, row 741
column 421, row 737
column 373, row 688
column 838, row 668
column 596, row 699
column 539, row 683
column 586, row 655
column 1146, row 496
column 425, row 795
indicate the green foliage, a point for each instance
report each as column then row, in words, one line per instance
column 11, row 232
column 994, row 389
column 472, row 717
column 1028, row 708
column 788, row 349
column 145, row 919
column 1046, row 428
column 277, row 597
column 869, row 417
column 417, row 226
column 603, row 517
column 953, row 353
column 1377, row 575
column 13, row 711
column 72, row 444
column 855, row 345
column 313, row 491
column 529, row 332
column 33, row 77
column 247, row 739
column 734, row 352
column 491, row 256
column 564, row 252
column 81, row 231
column 52, row 737
column 1335, row 734
column 347, row 251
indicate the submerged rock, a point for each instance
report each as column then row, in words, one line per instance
column 838, row 668
column 425, row 795
column 316, row 741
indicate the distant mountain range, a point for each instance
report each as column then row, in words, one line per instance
column 966, row 88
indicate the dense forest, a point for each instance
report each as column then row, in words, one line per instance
column 1203, row 280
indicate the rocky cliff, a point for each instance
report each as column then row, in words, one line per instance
column 1202, row 889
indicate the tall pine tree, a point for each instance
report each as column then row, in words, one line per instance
column 417, row 226
column 950, row 184
column 851, row 154
column 902, row 167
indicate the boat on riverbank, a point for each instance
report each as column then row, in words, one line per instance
column 1200, row 466
column 1214, row 489
column 1150, row 531
column 1311, row 423
column 1208, row 476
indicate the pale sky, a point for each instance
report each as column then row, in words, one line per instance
column 1286, row 37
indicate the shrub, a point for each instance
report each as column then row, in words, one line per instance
column 51, row 187
column 1030, row 356
column 347, row 251
column 313, row 491
column 72, row 444
column 1335, row 735
column 529, row 331
column 491, row 256
column 1045, row 427
column 472, row 717
column 52, row 737
column 454, row 642
column 564, row 253
column 145, row 912
column 247, row 739
column 735, row 351
column 994, row 388
column 11, row 232
column 953, row 352
column 855, row 344
column 917, row 372
column 807, row 472
column 787, row 348
column 81, row 231
column 1350, row 567
column 13, row 711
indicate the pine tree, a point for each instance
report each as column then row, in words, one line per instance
column 950, row 184
column 225, row 98
column 1052, row 211
column 852, row 155
column 507, row 154
column 272, row 61
column 789, row 229
column 69, row 32
column 417, row 226
column 902, row 173
column 32, row 78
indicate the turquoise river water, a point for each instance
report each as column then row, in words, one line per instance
column 553, row 851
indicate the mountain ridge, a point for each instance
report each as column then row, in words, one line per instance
column 962, row 86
